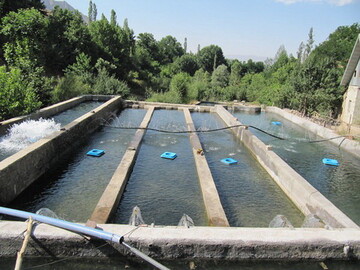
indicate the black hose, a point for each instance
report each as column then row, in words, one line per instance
column 224, row 128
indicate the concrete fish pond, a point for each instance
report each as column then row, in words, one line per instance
column 232, row 208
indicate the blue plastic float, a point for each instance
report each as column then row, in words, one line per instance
column 95, row 153
column 329, row 161
column 229, row 161
column 169, row 155
column 276, row 123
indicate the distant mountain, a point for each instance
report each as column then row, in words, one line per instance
column 51, row 4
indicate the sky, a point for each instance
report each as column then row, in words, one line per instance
column 242, row 28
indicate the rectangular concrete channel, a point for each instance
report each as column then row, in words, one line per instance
column 340, row 243
column 23, row 168
column 214, row 209
column 305, row 196
column 114, row 190
column 163, row 189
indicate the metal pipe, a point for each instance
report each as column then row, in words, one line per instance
column 145, row 257
column 63, row 224
column 82, row 230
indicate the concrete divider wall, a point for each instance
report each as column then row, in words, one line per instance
column 305, row 196
column 114, row 190
column 167, row 106
column 326, row 133
column 21, row 169
column 213, row 206
column 204, row 243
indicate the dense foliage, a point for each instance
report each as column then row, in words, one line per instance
column 47, row 57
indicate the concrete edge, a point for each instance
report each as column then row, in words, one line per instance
column 213, row 206
column 192, row 243
column 26, row 166
column 192, row 108
column 305, row 196
column 114, row 190
column 326, row 133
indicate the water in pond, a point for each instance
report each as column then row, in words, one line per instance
column 27, row 132
column 73, row 113
column 123, row 263
column 73, row 189
column 23, row 134
column 341, row 185
column 164, row 189
column 248, row 194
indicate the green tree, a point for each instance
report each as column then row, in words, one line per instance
column 169, row 49
column 113, row 45
column 339, row 44
column 92, row 12
column 309, row 45
column 68, row 87
column 7, row 6
column 113, row 18
column 236, row 73
column 210, row 57
column 67, row 37
column 17, row 96
column 220, row 77
column 25, row 33
column 186, row 63
column 180, row 84
column 82, row 68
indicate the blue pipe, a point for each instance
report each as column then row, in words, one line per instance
column 82, row 230
column 63, row 224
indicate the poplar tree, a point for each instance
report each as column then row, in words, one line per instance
column 300, row 52
column 94, row 12
column 90, row 11
column 113, row 18
column 309, row 44
column 185, row 45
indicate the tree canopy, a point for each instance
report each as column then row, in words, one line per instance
column 50, row 56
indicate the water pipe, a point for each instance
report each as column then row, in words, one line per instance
column 82, row 230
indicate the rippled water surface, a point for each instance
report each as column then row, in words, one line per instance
column 164, row 189
column 249, row 195
column 71, row 114
column 341, row 185
column 73, row 189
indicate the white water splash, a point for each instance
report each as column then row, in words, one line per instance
column 22, row 135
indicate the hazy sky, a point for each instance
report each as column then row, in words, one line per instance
column 239, row 27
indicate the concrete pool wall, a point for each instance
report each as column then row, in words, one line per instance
column 340, row 243
column 196, row 243
column 306, row 197
column 24, row 167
